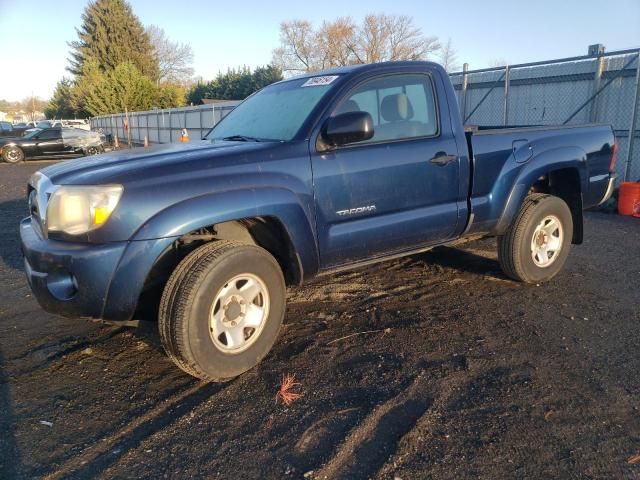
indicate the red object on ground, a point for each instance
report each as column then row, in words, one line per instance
column 629, row 199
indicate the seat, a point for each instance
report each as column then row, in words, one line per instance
column 396, row 109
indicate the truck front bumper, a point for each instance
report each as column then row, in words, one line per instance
column 69, row 279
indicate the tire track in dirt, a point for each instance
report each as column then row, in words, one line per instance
column 48, row 352
column 367, row 448
column 106, row 452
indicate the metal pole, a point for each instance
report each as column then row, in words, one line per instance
column 634, row 119
column 507, row 82
column 170, row 128
column 463, row 93
column 608, row 82
column 495, row 84
column 593, row 114
column 158, row 126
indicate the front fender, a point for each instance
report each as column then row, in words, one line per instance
column 206, row 210
column 160, row 232
column 517, row 179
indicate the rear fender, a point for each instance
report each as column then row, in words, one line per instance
column 524, row 176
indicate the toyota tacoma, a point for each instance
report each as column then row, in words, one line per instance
column 314, row 174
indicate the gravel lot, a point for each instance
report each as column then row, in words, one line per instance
column 464, row 374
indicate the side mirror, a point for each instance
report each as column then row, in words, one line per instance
column 349, row 127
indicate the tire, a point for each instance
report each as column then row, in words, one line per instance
column 92, row 151
column 12, row 154
column 195, row 296
column 536, row 246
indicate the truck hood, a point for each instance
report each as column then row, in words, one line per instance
column 120, row 166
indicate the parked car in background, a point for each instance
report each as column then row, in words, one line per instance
column 49, row 123
column 82, row 124
column 7, row 130
column 51, row 143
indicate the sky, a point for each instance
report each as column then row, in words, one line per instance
column 235, row 33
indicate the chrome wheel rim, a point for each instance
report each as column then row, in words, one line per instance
column 92, row 151
column 238, row 313
column 546, row 242
column 13, row 155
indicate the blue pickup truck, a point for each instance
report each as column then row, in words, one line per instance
column 311, row 175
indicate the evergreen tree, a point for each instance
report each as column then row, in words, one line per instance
column 123, row 88
column 61, row 103
column 110, row 35
column 235, row 84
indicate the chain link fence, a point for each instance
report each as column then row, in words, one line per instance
column 598, row 88
column 163, row 126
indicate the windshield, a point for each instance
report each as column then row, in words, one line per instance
column 275, row 113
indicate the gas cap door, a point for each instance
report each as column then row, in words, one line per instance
column 522, row 150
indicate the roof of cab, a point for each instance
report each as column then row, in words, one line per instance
column 362, row 68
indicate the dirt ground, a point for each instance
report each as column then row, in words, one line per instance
column 461, row 374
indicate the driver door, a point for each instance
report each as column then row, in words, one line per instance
column 394, row 192
column 49, row 142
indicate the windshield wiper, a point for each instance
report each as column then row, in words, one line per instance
column 241, row 138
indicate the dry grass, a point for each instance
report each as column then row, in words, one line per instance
column 634, row 459
column 286, row 393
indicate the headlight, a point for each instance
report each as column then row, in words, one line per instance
column 80, row 209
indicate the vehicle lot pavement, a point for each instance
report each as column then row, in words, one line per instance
column 464, row 374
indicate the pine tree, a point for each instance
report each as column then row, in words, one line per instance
column 123, row 88
column 110, row 35
column 61, row 103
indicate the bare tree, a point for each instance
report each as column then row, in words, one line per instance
column 449, row 57
column 341, row 42
column 297, row 51
column 336, row 42
column 174, row 58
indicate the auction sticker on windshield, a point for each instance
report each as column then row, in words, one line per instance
column 317, row 81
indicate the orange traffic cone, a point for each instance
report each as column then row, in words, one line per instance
column 184, row 135
column 116, row 144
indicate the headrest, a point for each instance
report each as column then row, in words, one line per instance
column 348, row 106
column 396, row 107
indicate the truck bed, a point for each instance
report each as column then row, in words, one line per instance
column 498, row 153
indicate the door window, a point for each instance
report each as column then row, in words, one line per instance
column 402, row 107
column 49, row 134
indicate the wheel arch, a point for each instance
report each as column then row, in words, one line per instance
column 281, row 227
column 561, row 172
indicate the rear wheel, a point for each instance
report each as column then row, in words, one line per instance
column 92, row 151
column 536, row 246
column 221, row 310
column 12, row 154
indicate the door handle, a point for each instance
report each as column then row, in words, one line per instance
column 442, row 158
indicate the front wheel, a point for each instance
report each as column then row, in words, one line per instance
column 12, row 154
column 92, row 151
column 536, row 246
column 221, row 310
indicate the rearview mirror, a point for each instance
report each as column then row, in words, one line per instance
column 349, row 127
